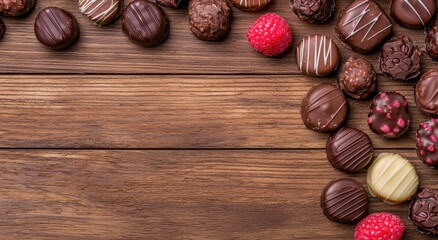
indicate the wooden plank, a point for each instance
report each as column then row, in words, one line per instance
column 170, row 112
column 175, row 195
column 106, row 50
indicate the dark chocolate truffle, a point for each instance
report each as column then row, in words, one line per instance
column 210, row 20
column 324, row 108
column 413, row 13
column 363, row 25
column 145, row 23
column 426, row 93
column 16, row 8
column 172, row 3
column 251, row 5
column 317, row 55
column 313, row 11
column 56, row 28
column 344, row 200
column 424, row 211
column 427, row 142
column 349, row 150
column 389, row 116
column 2, row 29
column 400, row 59
column 357, row 78
column 432, row 41
column 101, row 12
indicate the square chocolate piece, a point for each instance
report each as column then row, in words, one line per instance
column 363, row 25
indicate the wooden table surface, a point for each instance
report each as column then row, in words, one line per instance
column 189, row 140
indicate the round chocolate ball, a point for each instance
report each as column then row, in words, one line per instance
column 324, row 108
column 145, row 23
column 432, row 41
column 426, row 95
column 349, row 150
column 56, row 28
column 423, row 211
column 210, row 20
column 400, row 59
column 389, row 116
column 344, row 200
column 313, row 11
column 251, row 5
column 357, row 78
column 413, row 13
column 427, row 142
column 16, row 8
column 101, row 12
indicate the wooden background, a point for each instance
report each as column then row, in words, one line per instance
column 189, row 140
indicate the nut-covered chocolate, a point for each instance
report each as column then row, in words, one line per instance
column 172, row 3
column 344, row 200
column 426, row 93
column 145, row 23
column 210, row 20
column 413, row 13
column 251, row 5
column 56, row 28
column 317, row 55
column 423, row 211
column 16, row 8
column 2, row 29
column 389, row 115
column 349, row 150
column 324, row 108
column 400, row 59
column 427, row 142
column 101, row 12
column 432, row 41
column 357, row 78
column 363, row 25
column 313, row 11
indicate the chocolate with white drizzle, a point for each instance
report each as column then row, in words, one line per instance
column 413, row 13
column 317, row 55
column 100, row 12
column 251, row 5
column 363, row 25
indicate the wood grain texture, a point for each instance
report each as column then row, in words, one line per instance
column 175, row 195
column 171, row 112
column 106, row 50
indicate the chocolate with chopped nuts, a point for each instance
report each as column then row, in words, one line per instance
column 357, row 78
column 210, row 20
column 313, row 11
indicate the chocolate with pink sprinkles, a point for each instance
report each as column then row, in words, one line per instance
column 389, row 116
column 427, row 142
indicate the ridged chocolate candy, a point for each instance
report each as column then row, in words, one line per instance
column 324, row 108
column 16, row 8
column 101, row 12
column 145, row 23
column 427, row 142
column 56, row 28
column 210, row 20
column 426, row 93
column 344, row 200
column 349, row 150
column 251, row 5
column 424, row 211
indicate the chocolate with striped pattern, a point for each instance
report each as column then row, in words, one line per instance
column 100, row 12
column 145, row 23
column 349, row 150
column 56, row 28
column 251, row 5
column 344, row 200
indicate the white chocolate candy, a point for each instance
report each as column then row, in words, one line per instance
column 392, row 178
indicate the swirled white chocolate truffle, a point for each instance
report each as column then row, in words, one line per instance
column 392, row 178
column 101, row 12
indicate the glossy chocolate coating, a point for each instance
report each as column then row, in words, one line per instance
column 313, row 11
column 389, row 116
column 426, row 93
column 349, row 150
column 413, row 13
column 400, row 59
column 324, row 108
column 427, row 142
column 101, row 12
column 251, row 5
column 432, row 41
column 363, row 25
column 317, row 55
column 16, row 8
column 210, row 20
column 344, row 200
column 172, row 3
column 357, row 78
column 424, row 211
column 2, row 29
column 145, row 23
column 56, row 28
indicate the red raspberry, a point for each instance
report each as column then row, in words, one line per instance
column 270, row 35
column 381, row 226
